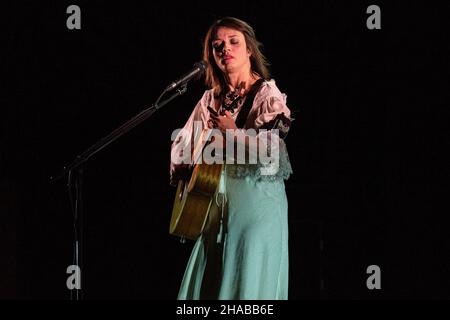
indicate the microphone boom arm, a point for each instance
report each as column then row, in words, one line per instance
column 120, row 131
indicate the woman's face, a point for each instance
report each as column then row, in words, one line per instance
column 230, row 51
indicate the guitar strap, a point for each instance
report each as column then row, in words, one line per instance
column 248, row 103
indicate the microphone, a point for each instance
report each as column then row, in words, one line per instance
column 199, row 68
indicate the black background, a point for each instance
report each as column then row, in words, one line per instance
column 367, row 147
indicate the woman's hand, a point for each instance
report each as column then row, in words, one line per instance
column 222, row 122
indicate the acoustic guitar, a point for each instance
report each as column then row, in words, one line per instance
column 193, row 200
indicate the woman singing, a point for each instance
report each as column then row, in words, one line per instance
column 243, row 250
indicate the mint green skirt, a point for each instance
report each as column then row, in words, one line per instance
column 244, row 257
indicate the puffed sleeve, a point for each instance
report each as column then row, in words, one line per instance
column 262, row 140
column 270, row 107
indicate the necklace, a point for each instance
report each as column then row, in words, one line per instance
column 232, row 98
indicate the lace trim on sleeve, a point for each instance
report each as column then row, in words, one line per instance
column 264, row 172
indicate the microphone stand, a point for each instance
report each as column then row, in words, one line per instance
column 75, row 169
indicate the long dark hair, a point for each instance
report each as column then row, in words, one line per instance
column 258, row 63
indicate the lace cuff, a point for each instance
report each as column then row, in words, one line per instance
column 274, row 166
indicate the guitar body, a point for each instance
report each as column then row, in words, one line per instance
column 193, row 200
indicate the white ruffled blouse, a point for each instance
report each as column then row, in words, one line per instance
column 267, row 104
